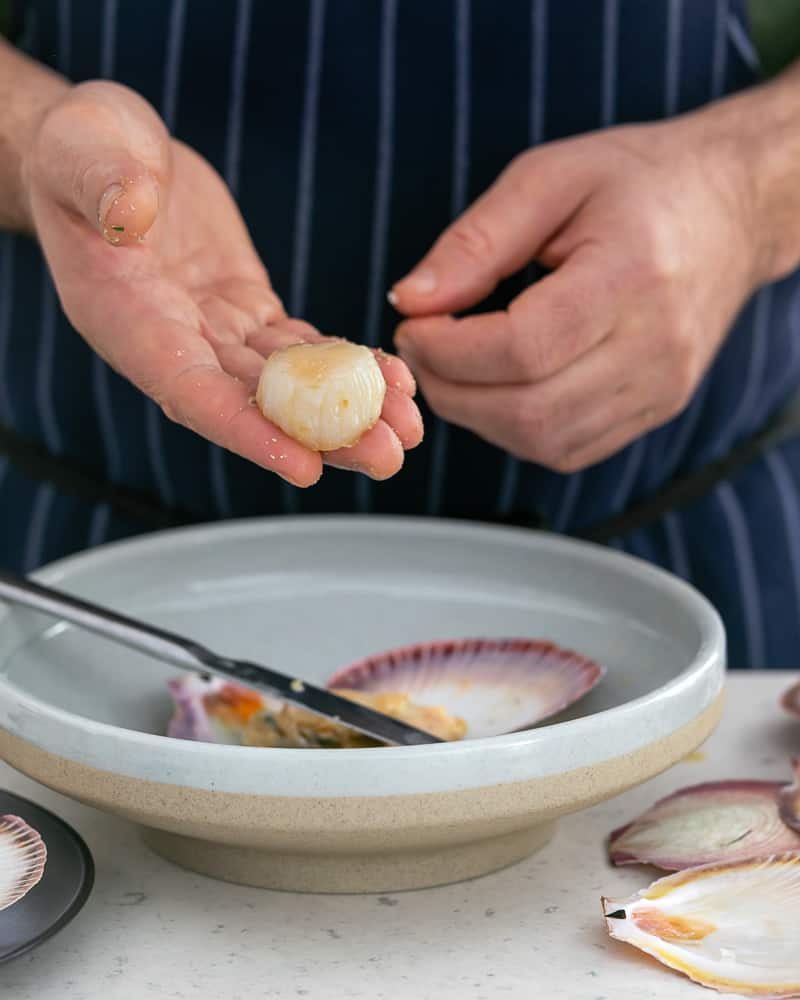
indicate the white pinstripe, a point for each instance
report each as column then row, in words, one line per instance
column 572, row 488
column 745, row 573
column 461, row 109
column 64, row 35
column 672, row 63
column 672, row 76
column 381, row 208
column 305, row 185
column 37, row 527
column 755, row 369
column 607, row 114
column 233, row 151
column 720, row 55
column 789, row 502
column 45, row 364
column 537, row 98
column 100, row 373
column 676, row 545
column 743, row 45
column 98, row 526
column 153, row 417
column 6, row 305
column 47, row 325
column 694, row 411
column 610, row 45
column 172, row 68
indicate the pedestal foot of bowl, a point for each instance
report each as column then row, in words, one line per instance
column 339, row 872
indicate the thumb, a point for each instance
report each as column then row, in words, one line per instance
column 103, row 152
column 495, row 237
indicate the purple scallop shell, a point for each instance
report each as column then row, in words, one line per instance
column 791, row 699
column 23, row 855
column 790, row 800
column 495, row 685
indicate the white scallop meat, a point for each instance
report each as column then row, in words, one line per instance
column 325, row 395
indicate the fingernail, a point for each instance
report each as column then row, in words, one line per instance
column 419, row 282
column 109, row 199
column 391, row 297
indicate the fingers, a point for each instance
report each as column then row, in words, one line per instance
column 217, row 406
column 574, row 413
column 103, row 152
column 499, row 234
column 544, row 330
column 379, row 454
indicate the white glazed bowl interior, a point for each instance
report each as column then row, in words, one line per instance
column 309, row 595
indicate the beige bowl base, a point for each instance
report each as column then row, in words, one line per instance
column 367, row 844
column 348, row 873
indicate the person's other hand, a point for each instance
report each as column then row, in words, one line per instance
column 648, row 235
column 155, row 268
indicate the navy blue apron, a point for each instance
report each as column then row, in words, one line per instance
column 351, row 133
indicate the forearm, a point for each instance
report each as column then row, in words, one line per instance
column 759, row 129
column 27, row 90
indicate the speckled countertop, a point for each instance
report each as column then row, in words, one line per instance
column 151, row 930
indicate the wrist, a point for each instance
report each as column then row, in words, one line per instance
column 755, row 142
column 30, row 91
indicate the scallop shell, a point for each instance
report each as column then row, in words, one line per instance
column 495, row 685
column 703, row 824
column 790, row 800
column 733, row 927
column 212, row 710
column 791, row 699
column 22, row 859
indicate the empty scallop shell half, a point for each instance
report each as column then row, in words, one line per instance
column 791, row 699
column 495, row 685
column 733, row 927
column 790, row 800
column 22, row 859
column 714, row 822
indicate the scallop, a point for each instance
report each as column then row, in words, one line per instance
column 213, row 710
column 733, row 927
column 495, row 685
column 791, row 699
column 790, row 800
column 325, row 395
column 22, row 859
column 713, row 822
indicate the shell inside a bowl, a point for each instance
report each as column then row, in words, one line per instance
column 454, row 689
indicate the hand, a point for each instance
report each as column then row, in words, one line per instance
column 649, row 235
column 154, row 267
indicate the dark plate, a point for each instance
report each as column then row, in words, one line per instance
column 64, row 887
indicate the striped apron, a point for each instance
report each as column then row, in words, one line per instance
column 351, row 132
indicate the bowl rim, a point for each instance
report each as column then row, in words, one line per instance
column 710, row 651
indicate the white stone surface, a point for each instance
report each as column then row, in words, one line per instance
column 151, row 930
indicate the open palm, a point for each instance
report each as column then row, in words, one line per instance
column 155, row 269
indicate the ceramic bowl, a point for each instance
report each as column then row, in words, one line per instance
column 309, row 595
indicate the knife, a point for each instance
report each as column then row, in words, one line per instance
column 190, row 655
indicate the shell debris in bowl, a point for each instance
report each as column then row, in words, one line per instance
column 22, row 859
column 213, row 710
column 456, row 689
column 325, row 395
